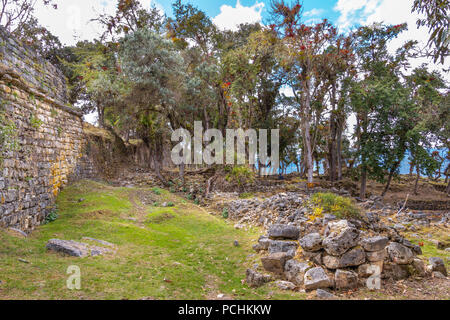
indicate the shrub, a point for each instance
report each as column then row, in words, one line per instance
column 225, row 213
column 241, row 175
column 246, row 195
column 156, row 191
column 52, row 216
column 331, row 203
column 170, row 204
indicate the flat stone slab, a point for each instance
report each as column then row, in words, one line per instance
column 283, row 231
column 76, row 249
column 103, row 242
column 18, row 232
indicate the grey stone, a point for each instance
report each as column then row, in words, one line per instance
column 375, row 243
column 284, row 231
column 289, row 247
column 255, row 279
column 399, row 227
column 439, row 275
column 399, row 253
column 395, row 271
column 285, row 285
column 275, row 262
column 311, row 242
column 295, row 271
column 345, row 279
column 352, row 258
column 316, row 278
column 341, row 237
column 103, row 242
column 323, row 294
column 437, row 264
column 264, row 242
column 419, row 267
column 376, row 256
column 76, row 249
column 23, row 234
column 370, row 269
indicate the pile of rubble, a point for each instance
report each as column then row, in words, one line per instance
column 280, row 208
column 339, row 254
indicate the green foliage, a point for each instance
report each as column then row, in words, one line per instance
column 52, row 216
column 35, row 121
column 437, row 20
column 156, row 190
column 341, row 207
column 241, row 175
column 225, row 213
column 246, row 195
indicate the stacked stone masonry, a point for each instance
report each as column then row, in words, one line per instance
column 48, row 136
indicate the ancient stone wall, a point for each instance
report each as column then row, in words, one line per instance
column 41, row 136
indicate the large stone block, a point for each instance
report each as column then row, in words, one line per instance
column 283, row 231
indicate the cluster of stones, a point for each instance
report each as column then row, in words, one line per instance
column 280, row 208
column 338, row 254
column 48, row 135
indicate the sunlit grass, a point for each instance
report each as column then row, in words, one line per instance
column 179, row 252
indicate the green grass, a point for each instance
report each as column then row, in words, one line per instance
column 181, row 252
column 341, row 207
column 429, row 248
column 246, row 195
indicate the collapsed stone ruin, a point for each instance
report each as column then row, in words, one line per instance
column 328, row 252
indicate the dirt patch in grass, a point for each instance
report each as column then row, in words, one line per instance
column 160, row 218
column 98, row 214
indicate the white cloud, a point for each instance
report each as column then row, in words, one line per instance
column 230, row 17
column 351, row 11
column 71, row 22
column 314, row 12
column 366, row 12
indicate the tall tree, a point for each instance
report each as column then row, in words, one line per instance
column 437, row 19
column 302, row 55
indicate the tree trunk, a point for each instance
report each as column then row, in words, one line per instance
column 417, row 179
column 307, row 134
column 332, row 143
column 318, row 167
column 391, row 174
column 362, row 191
column 339, row 149
column 157, row 156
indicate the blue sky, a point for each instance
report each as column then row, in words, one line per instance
column 71, row 21
column 212, row 8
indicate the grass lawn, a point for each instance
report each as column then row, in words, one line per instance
column 178, row 252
